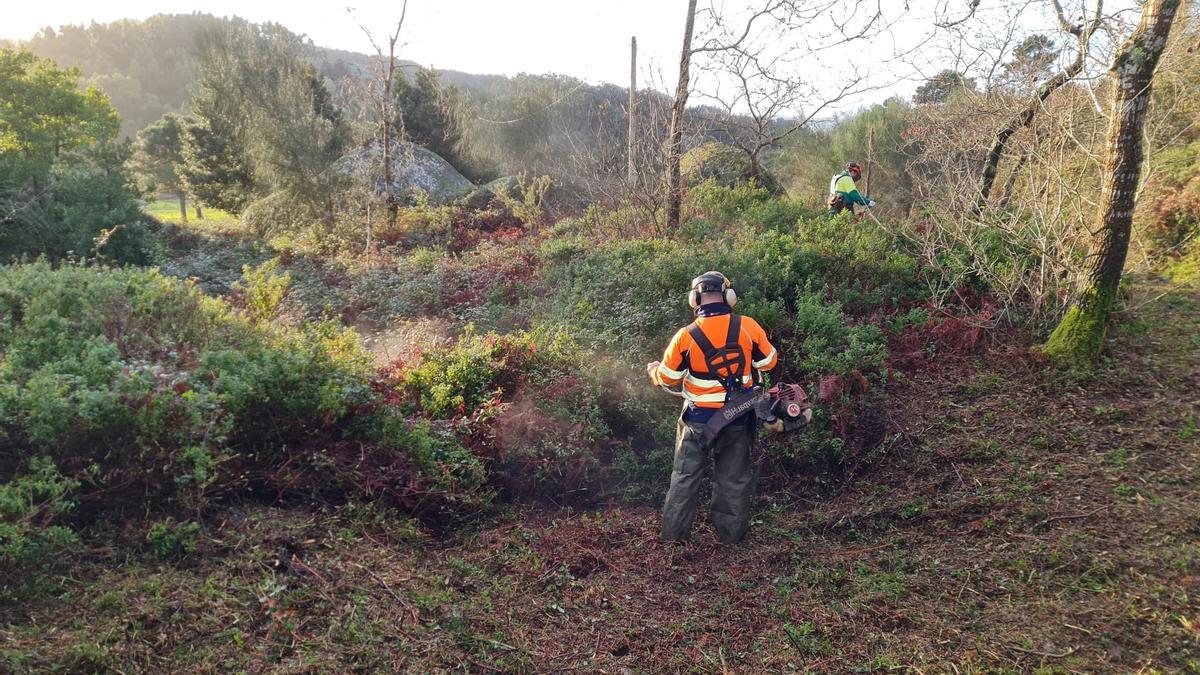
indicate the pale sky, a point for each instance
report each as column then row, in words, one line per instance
column 588, row 39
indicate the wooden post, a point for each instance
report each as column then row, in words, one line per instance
column 870, row 160
column 631, row 152
column 367, row 251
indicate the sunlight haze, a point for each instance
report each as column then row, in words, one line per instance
column 588, row 40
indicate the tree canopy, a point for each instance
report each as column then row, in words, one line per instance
column 62, row 187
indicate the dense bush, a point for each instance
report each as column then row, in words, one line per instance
column 123, row 386
column 830, row 345
column 151, row 383
column 629, row 294
column 30, row 502
column 1174, row 216
column 726, row 166
column 482, row 285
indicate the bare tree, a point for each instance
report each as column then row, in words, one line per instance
column 636, row 203
column 757, row 70
column 720, row 38
column 762, row 103
column 1079, row 337
column 1082, row 31
column 390, row 120
column 675, row 140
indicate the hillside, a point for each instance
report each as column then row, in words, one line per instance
column 319, row 378
column 148, row 67
column 1016, row 521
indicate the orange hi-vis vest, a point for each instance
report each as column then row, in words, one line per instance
column 683, row 361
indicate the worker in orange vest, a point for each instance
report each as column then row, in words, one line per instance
column 714, row 361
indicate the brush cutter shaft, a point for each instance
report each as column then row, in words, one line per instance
column 783, row 407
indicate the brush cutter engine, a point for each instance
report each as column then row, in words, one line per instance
column 784, row 408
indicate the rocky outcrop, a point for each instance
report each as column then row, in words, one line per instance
column 726, row 165
column 417, row 173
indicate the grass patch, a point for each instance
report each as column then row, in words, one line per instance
column 167, row 210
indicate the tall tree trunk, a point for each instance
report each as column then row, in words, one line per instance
column 1079, row 338
column 675, row 143
column 182, row 206
column 631, row 153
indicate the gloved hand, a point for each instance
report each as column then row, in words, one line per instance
column 651, row 367
column 808, row 415
column 870, row 203
column 776, row 426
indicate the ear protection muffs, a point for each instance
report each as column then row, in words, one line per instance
column 711, row 282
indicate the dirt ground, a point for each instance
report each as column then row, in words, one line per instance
column 1023, row 520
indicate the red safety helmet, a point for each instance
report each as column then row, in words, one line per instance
column 854, row 169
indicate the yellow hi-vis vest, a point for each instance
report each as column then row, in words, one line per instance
column 842, row 183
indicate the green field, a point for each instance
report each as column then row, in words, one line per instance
column 167, row 210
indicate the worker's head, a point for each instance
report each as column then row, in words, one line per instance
column 854, row 170
column 711, row 287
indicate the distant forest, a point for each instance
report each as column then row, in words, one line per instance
column 489, row 126
column 148, row 68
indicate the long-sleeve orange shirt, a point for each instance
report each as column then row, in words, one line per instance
column 683, row 360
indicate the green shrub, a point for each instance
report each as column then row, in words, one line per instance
column 422, row 227
column 439, row 455
column 29, row 501
column 858, row 263
column 725, row 165
column 262, row 289
column 483, row 285
column 526, row 198
column 724, row 203
column 544, row 408
column 142, row 382
column 168, row 538
column 618, row 293
column 913, row 318
column 458, row 380
column 630, row 294
column 278, row 212
column 827, row 344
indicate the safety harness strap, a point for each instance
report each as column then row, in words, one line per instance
column 727, row 364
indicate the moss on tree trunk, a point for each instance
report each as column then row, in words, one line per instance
column 1079, row 337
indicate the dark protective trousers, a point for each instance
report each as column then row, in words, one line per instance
column 733, row 480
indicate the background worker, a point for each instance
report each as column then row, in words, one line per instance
column 843, row 191
column 715, row 355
